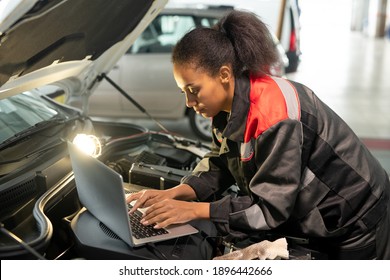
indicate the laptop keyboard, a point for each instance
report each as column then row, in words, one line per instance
column 139, row 230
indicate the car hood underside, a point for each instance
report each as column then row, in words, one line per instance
column 55, row 32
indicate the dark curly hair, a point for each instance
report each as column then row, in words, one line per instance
column 240, row 39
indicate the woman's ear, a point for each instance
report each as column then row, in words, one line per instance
column 225, row 74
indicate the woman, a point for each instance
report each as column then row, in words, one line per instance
column 301, row 171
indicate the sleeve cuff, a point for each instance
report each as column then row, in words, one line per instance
column 219, row 210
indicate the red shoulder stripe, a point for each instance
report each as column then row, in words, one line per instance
column 267, row 106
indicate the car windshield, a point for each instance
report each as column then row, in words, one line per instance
column 21, row 112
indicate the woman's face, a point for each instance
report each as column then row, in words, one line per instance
column 207, row 95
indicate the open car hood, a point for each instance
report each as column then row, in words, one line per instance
column 69, row 42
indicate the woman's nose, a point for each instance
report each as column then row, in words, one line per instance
column 190, row 100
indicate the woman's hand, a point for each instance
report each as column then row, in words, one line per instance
column 165, row 208
column 147, row 198
column 171, row 211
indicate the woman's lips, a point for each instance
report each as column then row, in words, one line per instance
column 199, row 110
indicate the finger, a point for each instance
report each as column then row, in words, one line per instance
column 170, row 220
column 132, row 196
column 148, row 215
column 155, row 209
column 159, row 221
column 138, row 204
column 164, row 223
column 141, row 199
column 152, row 201
column 156, row 215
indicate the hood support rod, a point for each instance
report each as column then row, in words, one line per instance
column 128, row 97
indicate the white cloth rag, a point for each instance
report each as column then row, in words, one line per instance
column 264, row 250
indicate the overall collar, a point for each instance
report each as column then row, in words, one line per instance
column 232, row 125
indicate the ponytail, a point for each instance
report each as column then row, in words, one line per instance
column 253, row 43
column 239, row 39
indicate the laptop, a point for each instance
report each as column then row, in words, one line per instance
column 101, row 191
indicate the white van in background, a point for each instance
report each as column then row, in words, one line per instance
column 284, row 24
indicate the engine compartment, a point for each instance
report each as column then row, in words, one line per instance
column 43, row 216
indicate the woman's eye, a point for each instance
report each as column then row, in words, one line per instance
column 193, row 91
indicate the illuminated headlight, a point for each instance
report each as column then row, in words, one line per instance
column 89, row 144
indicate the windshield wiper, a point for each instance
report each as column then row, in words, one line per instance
column 35, row 152
column 32, row 130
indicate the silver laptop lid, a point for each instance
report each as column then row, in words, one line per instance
column 101, row 191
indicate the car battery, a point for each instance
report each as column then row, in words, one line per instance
column 155, row 176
